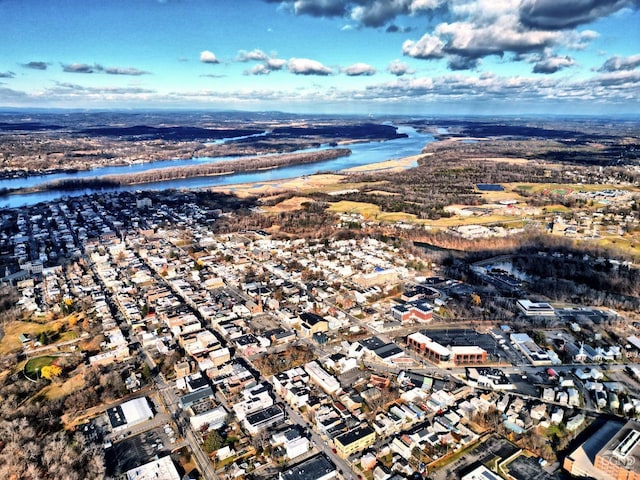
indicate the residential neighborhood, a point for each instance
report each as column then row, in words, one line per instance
column 249, row 355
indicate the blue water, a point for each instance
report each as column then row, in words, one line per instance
column 362, row 154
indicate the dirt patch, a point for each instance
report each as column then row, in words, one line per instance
column 291, row 204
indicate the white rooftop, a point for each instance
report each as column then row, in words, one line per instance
column 161, row 469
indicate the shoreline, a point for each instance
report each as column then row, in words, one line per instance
column 317, row 180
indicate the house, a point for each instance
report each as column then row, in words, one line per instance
column 293, row 443
column 312, row 323
column 26, row 341
column 263, row 419
column 354, row 440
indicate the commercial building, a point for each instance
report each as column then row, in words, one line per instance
column 322, row 378
column 533, row 309
column 314, row 468
column 612, row 452
column 437, row 353
column 129, row 413
column 161, row 469
column 417, row 311
column 620, row 457
column 536, row 355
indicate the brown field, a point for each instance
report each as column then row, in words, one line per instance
column 12, row 330
column 293, row 203
column 59, row 390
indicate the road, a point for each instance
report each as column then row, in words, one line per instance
column 321, row 445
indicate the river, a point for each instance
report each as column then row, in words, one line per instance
column 361, row 154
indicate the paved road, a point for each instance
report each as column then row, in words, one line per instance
column 320, row 444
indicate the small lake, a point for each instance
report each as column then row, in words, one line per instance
column 361, row 154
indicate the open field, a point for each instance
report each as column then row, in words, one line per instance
column 59, row 390
column 12, row 330
column 288, row 205
column 370, row 211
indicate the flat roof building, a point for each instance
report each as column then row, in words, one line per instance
column 160, row 469
column 129, row 413
column 314, row 468
column 532, row 309
column 437, row 353
column 620, row 457
column 354, row 440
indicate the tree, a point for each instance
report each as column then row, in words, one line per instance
column 50, row 371
column 213, row 441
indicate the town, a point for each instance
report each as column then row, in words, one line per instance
column 175, row 350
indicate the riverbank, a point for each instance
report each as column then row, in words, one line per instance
column 324, row 182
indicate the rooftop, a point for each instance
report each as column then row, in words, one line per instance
column 313, row 468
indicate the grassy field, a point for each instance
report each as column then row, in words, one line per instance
column 12, row 330
column 34, row 365
column 368, row 210
column 10, row 342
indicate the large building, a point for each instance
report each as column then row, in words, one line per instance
column 419, row 311
column 612, row 452
column 437, row 353
column 536, row 355
column 130, row 413
column 161, row 469
column 535, row 309
column 314, row 468
column 620, row 457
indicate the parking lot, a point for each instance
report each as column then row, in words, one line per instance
column 140, row 449
column 527, row 468
column 492, row 448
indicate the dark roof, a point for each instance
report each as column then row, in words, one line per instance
column 116, row 417
column 388, row 350
column 191, row 398
column 264, row 415
column 311, row 318
column 311, row 469
column 354, row 435
column 245, row 340
column 197, row 383
column 372, row 343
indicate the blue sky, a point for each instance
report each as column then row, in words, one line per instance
column 327, row 56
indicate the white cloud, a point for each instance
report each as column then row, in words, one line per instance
column 275, row 63
column 253, row 55
column 398, row 68
column 207, row 56
column 306, row 66
column 359, row 69
column 428, row 47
